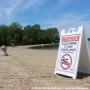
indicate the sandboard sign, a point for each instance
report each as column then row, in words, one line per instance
column 73, row 53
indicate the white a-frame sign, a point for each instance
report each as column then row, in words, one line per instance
column 73, row 53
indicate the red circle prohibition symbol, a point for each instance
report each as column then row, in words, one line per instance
column 66, row 61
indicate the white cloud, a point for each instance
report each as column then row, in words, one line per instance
column 58, row 6
column 10, row 7
column 33, row 4
column 69, row 20
column 62, row 0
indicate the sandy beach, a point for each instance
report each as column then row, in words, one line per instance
column 31, row 69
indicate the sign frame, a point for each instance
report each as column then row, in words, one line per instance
column 68, row 37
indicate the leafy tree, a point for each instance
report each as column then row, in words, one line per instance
column 3, row 34
column 27, row 34
column 16, row 33
column 53, row 34
column 31, row 33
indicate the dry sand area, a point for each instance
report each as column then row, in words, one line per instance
column 30, row 69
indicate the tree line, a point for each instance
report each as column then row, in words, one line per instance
column 28, row 35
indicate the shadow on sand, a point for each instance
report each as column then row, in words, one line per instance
column 82, row 75
column 79, row 75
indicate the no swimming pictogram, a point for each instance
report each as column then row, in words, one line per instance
column 66, row 61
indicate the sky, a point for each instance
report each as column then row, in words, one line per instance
column 62, row 14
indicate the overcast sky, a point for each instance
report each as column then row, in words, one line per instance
column 62, row 14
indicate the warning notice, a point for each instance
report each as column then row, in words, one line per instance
column 69, row 44
column 70, row 39
column 68, row 52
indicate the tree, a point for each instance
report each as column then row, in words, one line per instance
column 31, row 33
column 53, row 34
column 42, row 37
column 15, row 33
column 27, row 34
column 3, row 34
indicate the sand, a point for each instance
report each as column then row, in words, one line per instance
column 30, row 69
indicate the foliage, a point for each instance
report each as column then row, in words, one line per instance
column 18, row 35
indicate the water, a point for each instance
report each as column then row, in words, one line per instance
column 89, row 43
column 46, row 47
column 49, row 47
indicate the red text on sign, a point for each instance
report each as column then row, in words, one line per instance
column 70, row 39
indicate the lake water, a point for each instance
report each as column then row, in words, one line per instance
column 46, row 47
column 49, row 47
column 89, row 43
